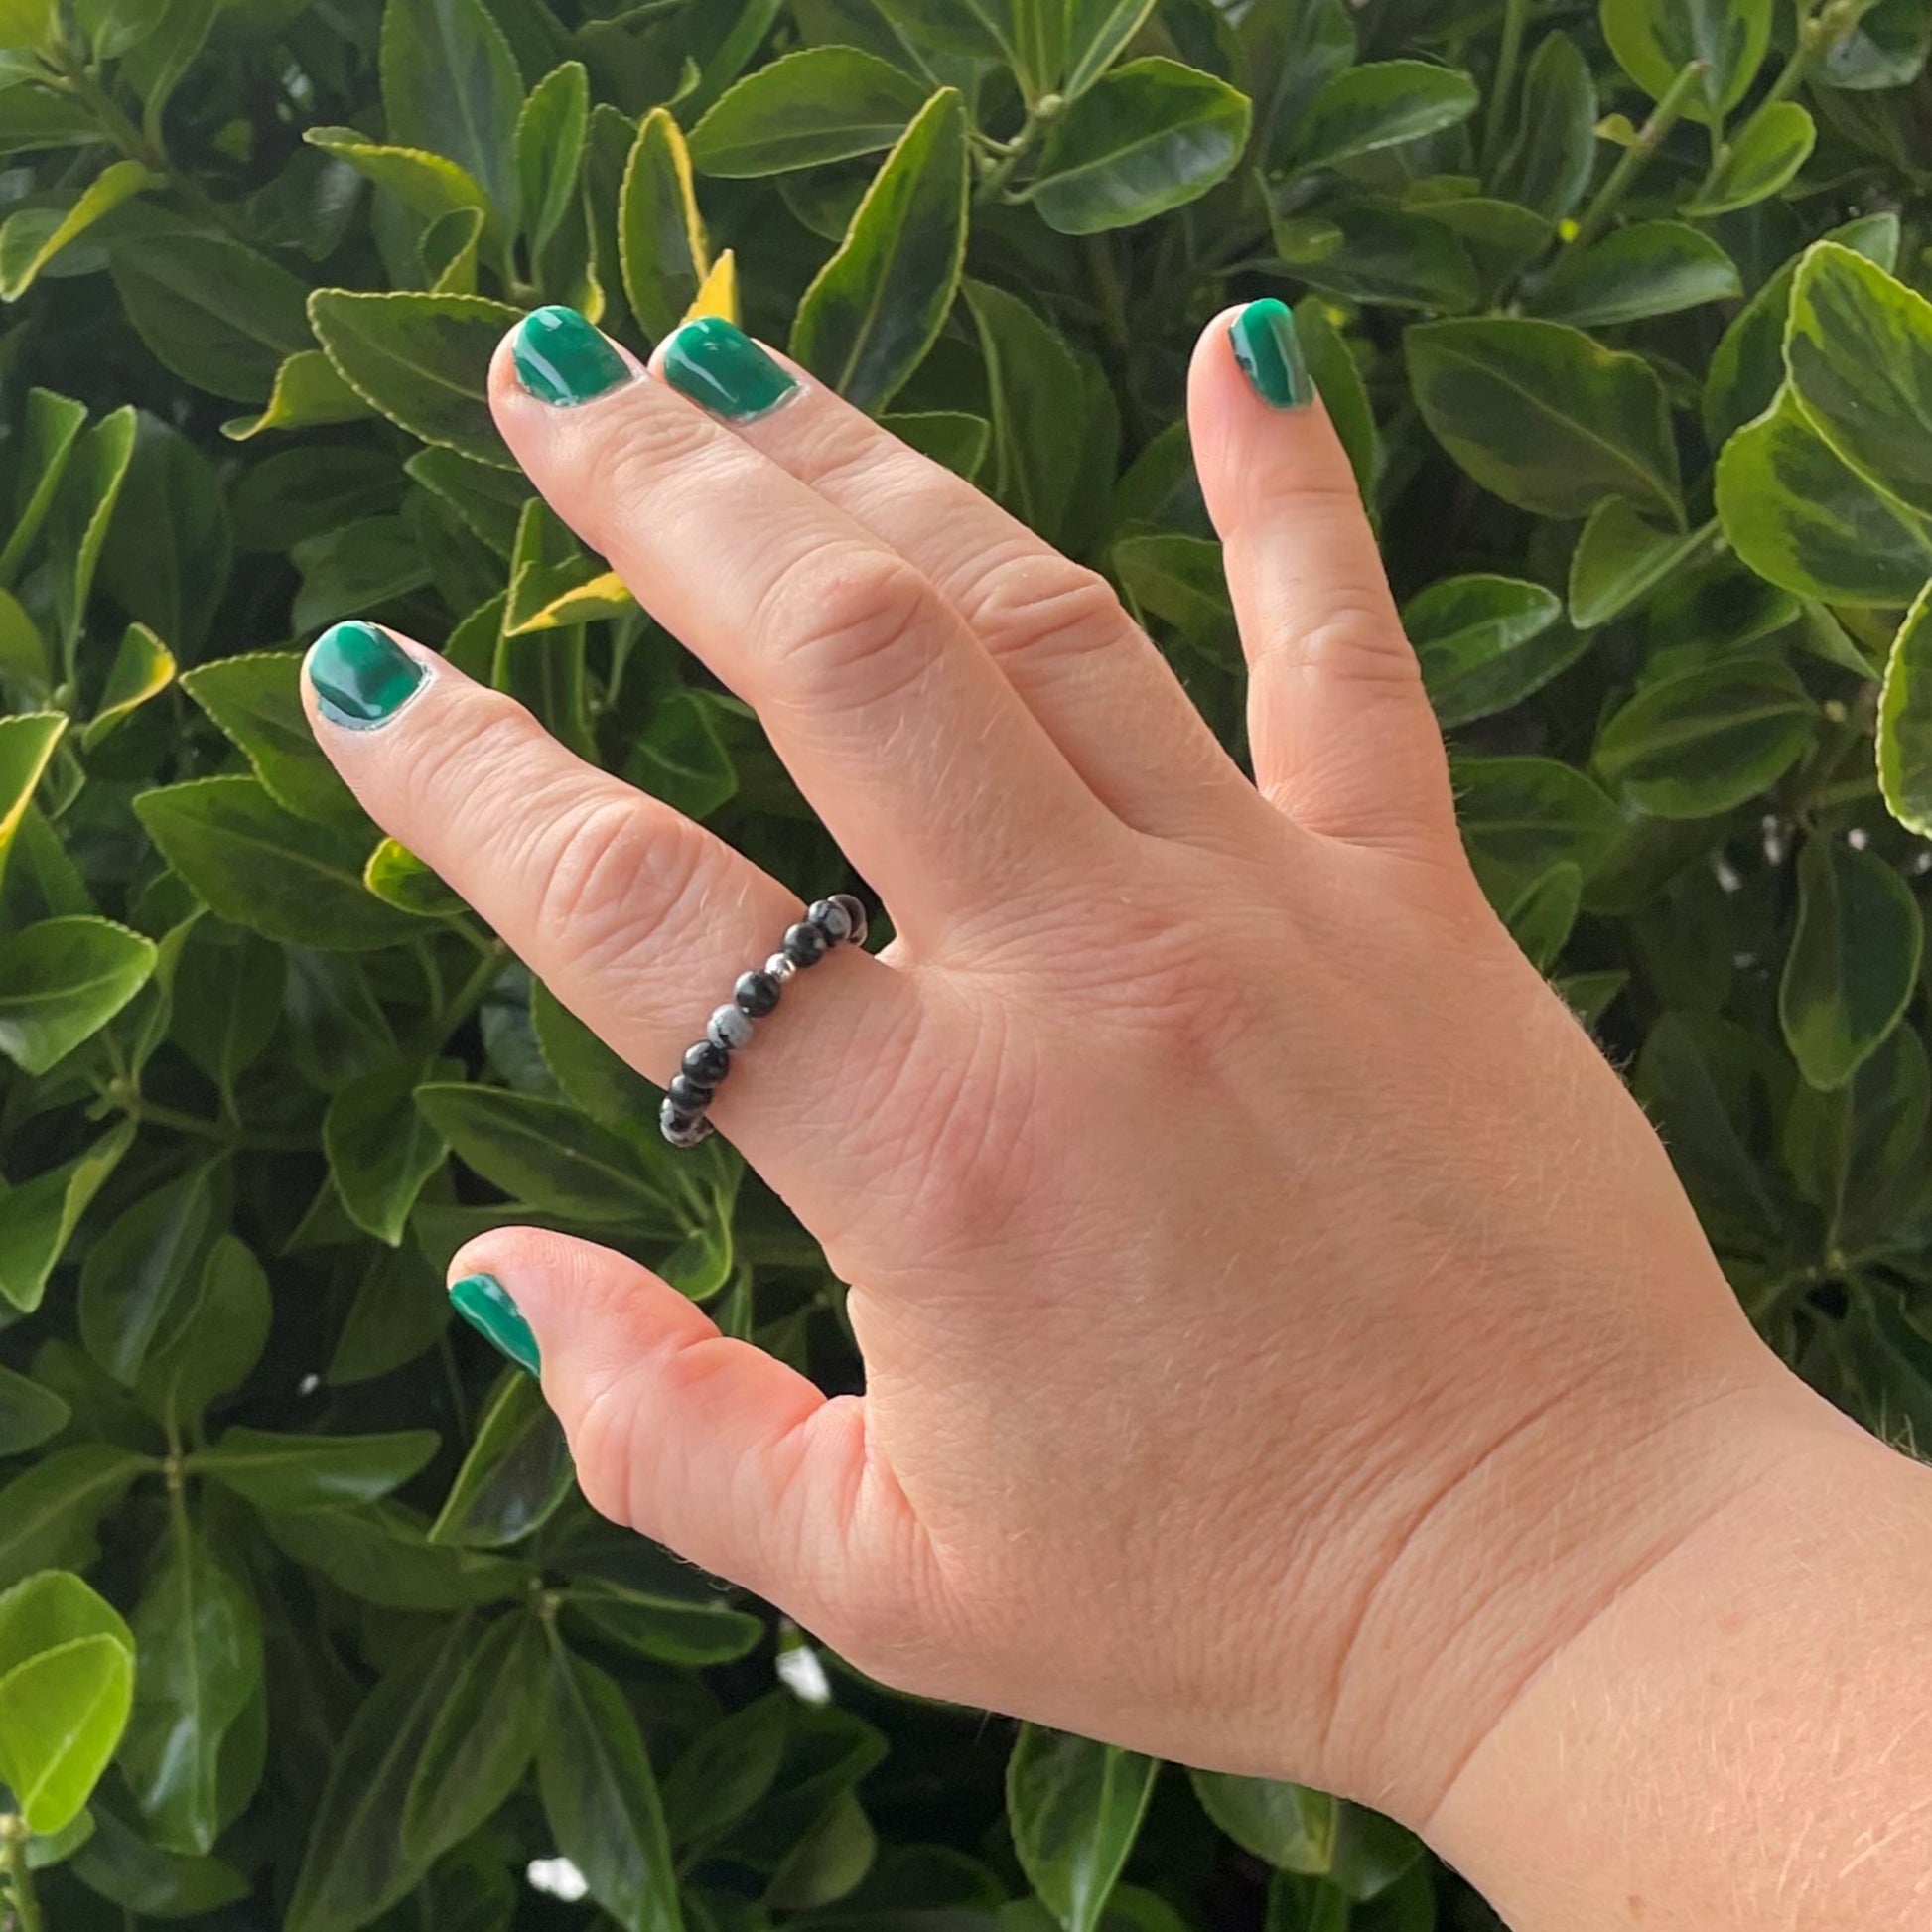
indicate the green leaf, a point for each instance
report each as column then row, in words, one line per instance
column 381, row 1149
column 1030, row 372
column 544, row 1154
column 82, row 512
column 1486, row 643
column 1150, row 136
column 517, row 1473
column 817, row 106
column 1809, row 523
column 668, row 1629
column 1620, row 559
column 49, row 430
column 1706, row 741
column 422, row 360
column 262, row 868
column 1854, row 960
column 431, row 185
column 1904, row 726
column 1291, row 1826
column 377, row 1552
column 61, row 1714
column 399, row 879
column 27, row 746
column 1884, row 46
column 661, row 245
column 30, row 237
column 550, row 135
column 39, row 1216
column 209, row 1339
column 1767, row 152
column 727, row 1769
column 135, row 1274
column 1179, row 581
column 1650, row 268
column 481, row 1741
column 1858, row 1152
column 61, row 981
column 142, row 669
column 877, row 306
column 1097, row 31
column 1381, row 106
column 307, row 393
column 1545, row 417
column 29, row 1414
column 1548, row 165
column 601, row 1798
column 168, row 551
column 594, row 1080
column 121, row 1866
column 280, row 1472
column 1522, row 816
column 1655, row 40
column 1076, row 1809
column 1748, row 366
column 218, row 314
column 49, row 1514
column 1366, row 251
column 449, row 85
column 198, row 1662
column 358, row 1862
column 1860, row 357
column 52, row 1609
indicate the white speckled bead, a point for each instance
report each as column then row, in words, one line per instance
column 683, row 1130
column 779, row 967
column 832, row 919
column 728, row 1027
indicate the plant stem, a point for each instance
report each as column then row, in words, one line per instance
column 470, row 996
column 1817, row 33
column 1663, row 117
column 994, row 180
column 19, row 1880
column 1516, row 18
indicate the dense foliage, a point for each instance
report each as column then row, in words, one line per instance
column 1617, row 313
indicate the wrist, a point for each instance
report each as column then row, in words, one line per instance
column 1547, row 1534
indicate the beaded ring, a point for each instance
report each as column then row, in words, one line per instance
column 828, row 922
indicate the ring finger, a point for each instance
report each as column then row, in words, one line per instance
column 638, row 919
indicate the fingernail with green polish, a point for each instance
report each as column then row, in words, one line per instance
column 561, row 358
column 485, row 1302
column 361, row 676
column 1269, row 349
column 721, row 367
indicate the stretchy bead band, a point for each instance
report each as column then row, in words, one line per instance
column 828, row 922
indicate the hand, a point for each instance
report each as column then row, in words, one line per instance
column 1283, row 1333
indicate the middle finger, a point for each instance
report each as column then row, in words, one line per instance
column 920, row 758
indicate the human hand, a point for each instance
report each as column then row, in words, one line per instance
column 1283, row 1333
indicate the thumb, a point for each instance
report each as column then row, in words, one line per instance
column 705, row 1444
column 1342, row 735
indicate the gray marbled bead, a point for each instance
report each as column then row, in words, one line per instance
column 855, row 911
column 831, row 918
column 682, row 1129
column 728, row 1027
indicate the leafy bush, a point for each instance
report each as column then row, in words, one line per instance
column 1617, row 317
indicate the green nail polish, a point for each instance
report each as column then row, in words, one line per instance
column 561, row 358
column 1269, row 349
column 484, row 1301
column 361, row 676
column 721, row 367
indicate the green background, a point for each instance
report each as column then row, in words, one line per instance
column 1618, row 312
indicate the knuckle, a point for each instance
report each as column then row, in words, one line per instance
column 849, row 624
column 612, row 874
column 1352, row 641
column 1048, row 607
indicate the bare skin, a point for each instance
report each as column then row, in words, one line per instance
column 1287, row 1348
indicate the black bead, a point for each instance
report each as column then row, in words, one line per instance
column 856, row 913
column 688, row 1096
column 805, row 944
column 829, row 920
column 756, row 993
column 707, row 1064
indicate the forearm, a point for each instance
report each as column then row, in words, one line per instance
column 1743, row 1740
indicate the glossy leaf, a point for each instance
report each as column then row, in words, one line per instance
column 1486, row 643
column 30, row 237
column 1904, row 722
column 143, row 1264
column 62, row 1711
column 817, row 106
column 671, row 1629
column 381, row 1149
column 1706, row 741
column 1075, row 1810
column 49, row 1512
column 1649, row 268
column 1150, row 136
column 516, row 1475
column 38, row 1218
column 1655, row 40
column 281, row 1473
column 449, row 86
column 29, row 1414
column 1760, row 161
column 1621, row 559
column 1544, row 416
column 422, row 360
column 61, row 981
column 256, row 699
column 1854, row 960
column 602, row 1800
column 551, row 131
column 876, row 307
column 1381, row 106
column 661, row 240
